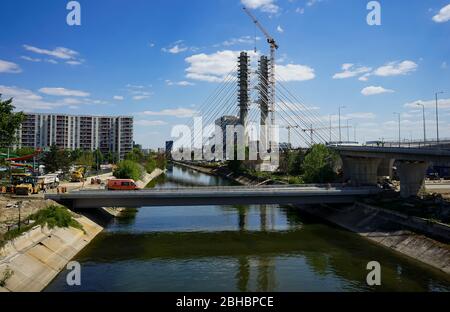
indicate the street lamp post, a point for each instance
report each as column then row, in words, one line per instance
column 424, row 123
column 348, row 130
column 399, row 129
column 437, row 115
column 340, row 128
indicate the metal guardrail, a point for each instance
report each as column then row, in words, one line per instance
column 443, row 144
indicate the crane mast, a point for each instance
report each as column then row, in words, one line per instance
column 273, row 47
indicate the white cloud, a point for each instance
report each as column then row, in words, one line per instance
column 300, row 10
column 27, row 100
column 63, row 92
column 443, row 15
column 9, row 67
column 139, row 92
column 215, row 67
column 175, row 49
column 349, row 71
column 179, row 83
column 310, row 3
column 118, row 98
column 396, row 69
column 240, row 40
column 178, row 112
column 31, row 59
column 444, row 65
column 140, row 97
column 280, row 29
column 59, row 52
column 212, row 67
column 372, row 90
column 293, row 72
column 443, row 103
column 149, row 123
column 268, row 6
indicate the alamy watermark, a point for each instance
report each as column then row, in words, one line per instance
column 74, row 16
column 73, row 278
column 374, row 276
column 374, row 16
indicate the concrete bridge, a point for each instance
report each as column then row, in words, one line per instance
column 204, row 196
column 364, row 165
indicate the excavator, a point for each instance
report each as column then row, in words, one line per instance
column 78, row 175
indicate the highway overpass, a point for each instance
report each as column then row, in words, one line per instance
column 364, row 165
column 205, row 196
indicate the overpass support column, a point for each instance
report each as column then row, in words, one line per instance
column 412, row 177
column 361, row 171
column 386, row 168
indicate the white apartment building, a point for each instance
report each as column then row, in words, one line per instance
column 109, row 134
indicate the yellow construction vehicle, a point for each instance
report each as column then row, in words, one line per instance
column 78, row 175
column 25, row 184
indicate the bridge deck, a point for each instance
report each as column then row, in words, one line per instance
column 240, row 195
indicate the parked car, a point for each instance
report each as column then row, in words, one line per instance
column 121, row 185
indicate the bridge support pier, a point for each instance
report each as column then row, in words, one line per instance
column 386, row 168
column 412, row 177
column 361, row 171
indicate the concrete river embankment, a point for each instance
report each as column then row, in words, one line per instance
column 31, row 261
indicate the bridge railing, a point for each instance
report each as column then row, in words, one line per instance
column 443, row 143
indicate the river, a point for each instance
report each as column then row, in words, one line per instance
column 240, row 248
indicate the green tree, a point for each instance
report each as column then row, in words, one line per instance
column 76, row 154
column 318, row 165
column 9, row 122
column 294, row 161
column 86, row 159
column 136, row 155
column 128, row 169
column 24, row 151
column 56, row 159
column 111, row 157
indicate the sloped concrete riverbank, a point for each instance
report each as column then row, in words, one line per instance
column 35, row 258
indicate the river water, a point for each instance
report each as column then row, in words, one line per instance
column 236, row 248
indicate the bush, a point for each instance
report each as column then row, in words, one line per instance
column 52, row 216
column 128, row 169
column 56, row 216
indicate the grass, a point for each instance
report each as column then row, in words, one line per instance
column 52, row 216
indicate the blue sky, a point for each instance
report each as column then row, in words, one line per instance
column 159, row 60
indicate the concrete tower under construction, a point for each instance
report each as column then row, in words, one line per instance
column 243, row 94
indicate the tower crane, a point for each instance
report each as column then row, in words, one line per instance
column 313, row 130
column 273, row 47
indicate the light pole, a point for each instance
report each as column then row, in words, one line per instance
column 348, row 130
column 424, row 123
column 399, row 129
column 354, row 133
column 340, row 128
column 437, row 115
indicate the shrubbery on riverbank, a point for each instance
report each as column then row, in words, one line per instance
column 52, row 216
column 129, row 169
column 316, row 165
